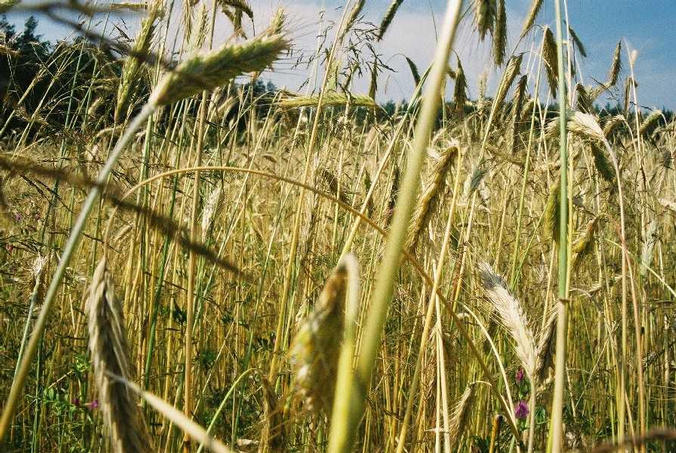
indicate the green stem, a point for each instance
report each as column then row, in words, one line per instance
column 341, row 436
column 555, row 443
column 382, row 293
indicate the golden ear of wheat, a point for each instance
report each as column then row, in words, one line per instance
column 109, row 356
column 329, row 99
column 430, row 197
column 616, row 66
column 211, row 70
column 238, row 5
column 316, row 347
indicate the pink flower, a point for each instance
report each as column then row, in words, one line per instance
column 93, row 405
column 521, row 411
column 519, row 375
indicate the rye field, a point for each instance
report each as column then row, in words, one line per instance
column 194, row 259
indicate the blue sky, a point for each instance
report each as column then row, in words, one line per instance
column 648, row 26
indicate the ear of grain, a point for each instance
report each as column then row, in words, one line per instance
column 352, row 17
column 484, row 14
column 388, row 17
column 109, row 355
column 577, row 41
column 585, row 244
column 414, row 70
column 517, row 106
column 206, row 72
column 178, row 418
column 512, row 317
column 612, row 125
column 602, row 164
column 132, row 65
column 651, row 122
column 430, row 198
column 512, row 70
column 533, row 11
column 316, row 347
column 527, row 110
column 585, row 125
column 552, row 213
column 584, row 101
column 545, row 347
column 460, row 413
column 500, row 34
column 238, row 5
column 615, row 66
column 373, row 85
column 235, row 16
column 550, row 59
column 330, row 99
column 628, row 85
column 6, row 5
column 460, row 90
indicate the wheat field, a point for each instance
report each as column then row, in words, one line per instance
column 192, row 258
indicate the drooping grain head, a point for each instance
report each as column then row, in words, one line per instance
column 110, row 356
column 484, row 15
column 512, row 70
column 550, row 60
column 500, row 34
column 512, row 316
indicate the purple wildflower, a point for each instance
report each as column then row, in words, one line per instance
column 93, row 405
column 76, row 402
column 519, row 375
column 521, row 411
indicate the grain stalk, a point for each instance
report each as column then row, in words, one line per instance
column 555, row 441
